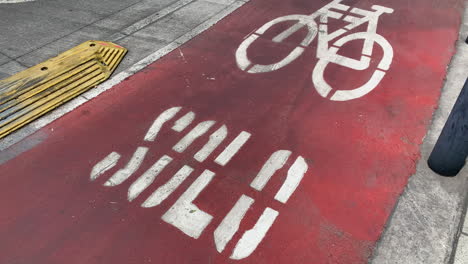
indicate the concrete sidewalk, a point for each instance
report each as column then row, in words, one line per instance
column 37, row 31
column 460, row 66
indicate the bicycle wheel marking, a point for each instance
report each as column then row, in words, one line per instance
column 325, row 53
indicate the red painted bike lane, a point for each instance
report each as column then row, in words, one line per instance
column 224, row 151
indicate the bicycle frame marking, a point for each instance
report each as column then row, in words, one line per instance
column 327, row 54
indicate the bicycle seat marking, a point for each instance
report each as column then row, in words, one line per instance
column 327, row 53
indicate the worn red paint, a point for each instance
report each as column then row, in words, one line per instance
column 360, row 152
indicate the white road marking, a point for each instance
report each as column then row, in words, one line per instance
column 287, row 33
column 183, row 122
column 186, row 216
column 215, row 139
column 195, row 133
column 327, row 54
column 104, row 165
column 295, row 175
column 158, row 196
column 73, row 104
column 230, row 224
column 323, row 88
column 133, row 165
column 159, row 122
column 274, row 163
column 232, row 148
column 303, row 20
column 147, row 178
column 252, row 238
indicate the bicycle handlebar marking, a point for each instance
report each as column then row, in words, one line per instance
column 326, row 54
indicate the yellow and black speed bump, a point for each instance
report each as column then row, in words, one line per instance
column 35, row 91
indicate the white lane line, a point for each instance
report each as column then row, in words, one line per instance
column 295, row 175
column 157, row 124
column 250, row 240
column 215, row 139
column 158, row 196
column 232, row 148
column 274, row 163
column 186, row 216
column 183, row 122
column 104, row 165
column 73, row 104
column 195, row 133
column 147, row 178
column 230, row 224
column 132, row 166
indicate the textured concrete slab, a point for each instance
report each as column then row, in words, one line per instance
column 195, row 13
column 166, row 29
column 465, row 225
column 138, row 48
column 10, row 68
column 3, row 59
column 224, row 2
column 137, row 12
column 56, row 47
column 25, row 32
column 180, row 22
column 104, row 7
column 461, row 255
column 55, row 9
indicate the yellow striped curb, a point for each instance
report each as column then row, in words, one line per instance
column 33, row 92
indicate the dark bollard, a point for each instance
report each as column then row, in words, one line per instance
column 449, row 154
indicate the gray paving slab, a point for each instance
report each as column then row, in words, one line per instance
column 224, row 2
column 127, row 17
column 166, row 30
column 465, row 225
column 25, row 32
column 105, row 7
column 3, row 59
column 461, row 255
column 195, row 13
column 56, row 47
column 49, row 8
column 10, row 68
column 180, row 22
column 138, row 48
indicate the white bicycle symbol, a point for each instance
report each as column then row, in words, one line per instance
column 327, row 54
